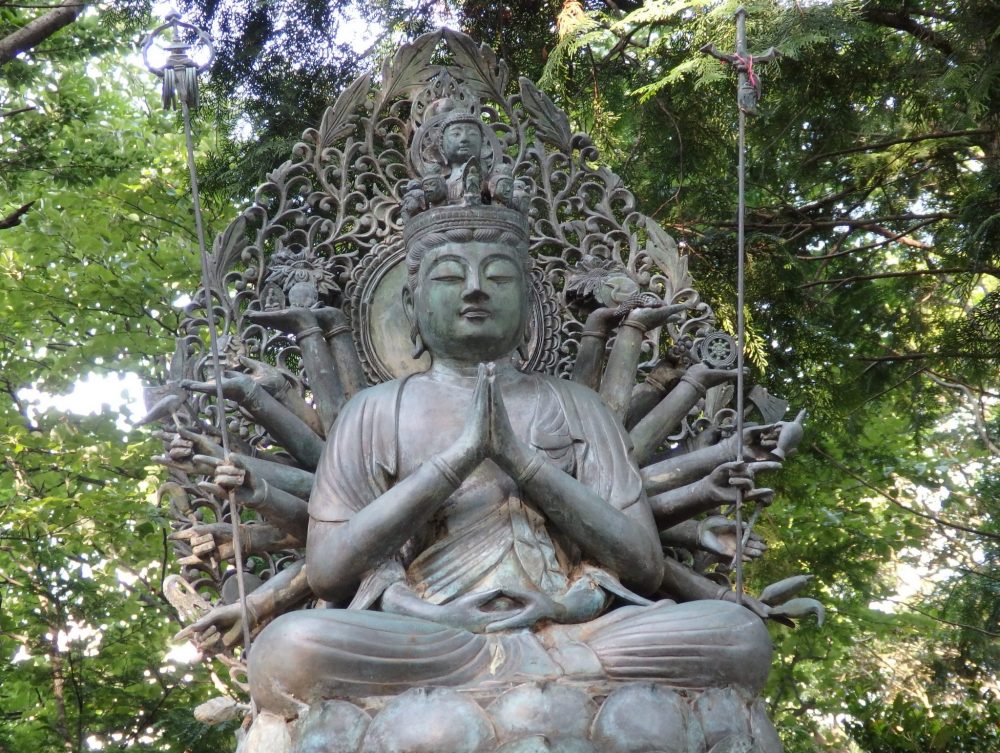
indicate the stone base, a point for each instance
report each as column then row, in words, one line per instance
column 529, row 718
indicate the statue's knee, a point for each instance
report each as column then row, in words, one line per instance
column 750, row 644
column 281, row 646
column 280, row 663
column 748, row 630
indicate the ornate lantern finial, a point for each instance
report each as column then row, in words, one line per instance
column 179, row 71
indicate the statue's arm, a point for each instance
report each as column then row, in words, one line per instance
column 327, row 346
column 716, row 535
column 216, row 540
column 684, row 584
column 224, row 623
column 279, row 386
column 589, row 362
column 717, row 488
column 287, row 478
column 686, row 468
column 287, row 429
column 684, row 535
column 619, row 377
column 342, row 551
column 766, row 442
column 324, row 377
column 657, row 425
column 658, row 382
column 340, row 339
column 185, row 445
column 281, row 509
column 677, row 505
column 623, row 540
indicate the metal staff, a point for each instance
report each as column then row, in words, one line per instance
column 747, row 96
column 180, row 87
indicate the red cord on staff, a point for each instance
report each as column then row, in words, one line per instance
column 747, row 62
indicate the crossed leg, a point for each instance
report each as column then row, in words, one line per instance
column 310, row 655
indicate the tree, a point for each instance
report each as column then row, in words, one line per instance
column 39, row 28
column 88, row 276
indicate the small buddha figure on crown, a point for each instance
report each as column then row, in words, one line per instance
column 459, row 162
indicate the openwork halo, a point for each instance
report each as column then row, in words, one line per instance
column 381, row 328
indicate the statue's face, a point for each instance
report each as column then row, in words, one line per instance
column 470, row 302
column 460, row 142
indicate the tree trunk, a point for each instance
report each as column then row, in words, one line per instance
column 39, row 29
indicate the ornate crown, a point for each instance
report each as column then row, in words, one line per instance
column 479, row 189
column 463, row 217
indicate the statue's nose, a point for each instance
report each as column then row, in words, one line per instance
column 473, row 289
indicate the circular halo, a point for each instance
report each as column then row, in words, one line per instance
column 382, row 330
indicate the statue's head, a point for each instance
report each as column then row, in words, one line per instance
column 467, row 281
column 461, row 139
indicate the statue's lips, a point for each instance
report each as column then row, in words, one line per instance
column 475, row 313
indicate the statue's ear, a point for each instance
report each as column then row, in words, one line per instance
column 408, row 305
column 409, row 308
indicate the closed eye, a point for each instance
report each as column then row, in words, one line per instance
column 500, row 271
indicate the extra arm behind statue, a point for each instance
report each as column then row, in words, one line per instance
column 215, row 540
column 280, row 386
column 619, row 376
column 760, row 443
column 224, row 623
column 650, row 432
column 290, row 431
column 717, row 488
column 616, row 383
column 589, row 363
column 684, row 584
column 185, row 445
column 660, row 380
column 716, row 535
column 328, row 353
column 283, row 510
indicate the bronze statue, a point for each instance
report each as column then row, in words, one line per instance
column 471, row 521
column 480, row 518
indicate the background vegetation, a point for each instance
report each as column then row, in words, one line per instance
column 874, row 221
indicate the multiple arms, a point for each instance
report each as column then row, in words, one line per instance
column 625, row 542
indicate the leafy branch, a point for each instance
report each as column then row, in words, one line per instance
column 901, row 505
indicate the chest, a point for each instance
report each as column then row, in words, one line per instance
column 432, row 416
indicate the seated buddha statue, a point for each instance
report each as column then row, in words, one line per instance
column 477, row 525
